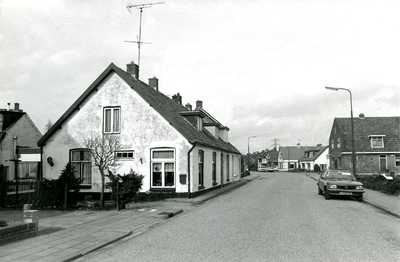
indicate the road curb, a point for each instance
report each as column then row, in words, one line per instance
column 170, row 213
column 382, row 209
column 96, row 247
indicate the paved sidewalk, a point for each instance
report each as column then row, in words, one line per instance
column 387, row 203
column 82, row 232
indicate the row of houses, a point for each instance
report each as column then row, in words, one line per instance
column 178, row 149
column 376, row 146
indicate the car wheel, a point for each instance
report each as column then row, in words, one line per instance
column 319, row 191
column 327, row 196
column 360, row 198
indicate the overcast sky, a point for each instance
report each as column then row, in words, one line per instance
column 260, row 67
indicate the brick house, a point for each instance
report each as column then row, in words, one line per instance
column 377, row 144
column 178, row 149
column 19, row 153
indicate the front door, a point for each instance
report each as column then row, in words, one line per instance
column 382, row 163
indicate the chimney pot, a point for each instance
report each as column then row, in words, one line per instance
column 133, row 69
column 153, row 83
column 8, row 106
column 188, row 106
column 177, row 98
column 16, row 106
column 362, row 116
column 199, row 104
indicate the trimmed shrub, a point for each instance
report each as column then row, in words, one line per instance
column 129, row 185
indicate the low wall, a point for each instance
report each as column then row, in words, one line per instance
column 17, row 232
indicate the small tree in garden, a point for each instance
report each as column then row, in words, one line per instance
column 68, row 176
column 129, row 185
column 103, row 149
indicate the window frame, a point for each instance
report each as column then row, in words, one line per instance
column 163, row 162
column 200, row 158
column 214, row 167
column 82, row 162
column 28, row 164
column 397, row 160
column 125, row 158
column 377, row 138
column 111, row 127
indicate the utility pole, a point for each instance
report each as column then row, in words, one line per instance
column 139, row 39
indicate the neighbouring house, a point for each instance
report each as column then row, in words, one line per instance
column 268, row 160
column 288, row 157
column 315, row 158
column 19, row 154
column 176, row 148
column 376, row 142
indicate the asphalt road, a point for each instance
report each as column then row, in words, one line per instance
column 276, row 217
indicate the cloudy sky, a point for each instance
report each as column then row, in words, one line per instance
column 259, row 66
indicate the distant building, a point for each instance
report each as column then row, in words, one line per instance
column 268, row 160
column 377, row 144
column 314, row 157
column 288, row 158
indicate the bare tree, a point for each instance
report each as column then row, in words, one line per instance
column 48, row 125
column 103, row 149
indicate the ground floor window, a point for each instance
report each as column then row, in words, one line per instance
column 28, row 170
column 397, row 160
column 81, row 160
column 162, row 168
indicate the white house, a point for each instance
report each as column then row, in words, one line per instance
column 178, row 149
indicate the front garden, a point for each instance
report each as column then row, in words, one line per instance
column 381, row 183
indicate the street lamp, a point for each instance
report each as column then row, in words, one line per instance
column 248, row 152
column 353, row 153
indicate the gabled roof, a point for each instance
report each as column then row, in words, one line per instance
column 389, row 127
column 317, row 152
column 292, row 152
column 165, row 106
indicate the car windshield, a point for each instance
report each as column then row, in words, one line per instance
column 340, row 175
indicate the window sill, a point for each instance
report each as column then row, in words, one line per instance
column 162, row 189
column 201, row 187
column 85, row 186
column 215, row 183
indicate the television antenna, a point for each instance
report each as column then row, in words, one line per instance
column 139, row 38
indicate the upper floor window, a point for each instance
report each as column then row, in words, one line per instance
column 376, row 141
column 338, row 143
column 333, row 144
column 81, row 160
column 112, row 120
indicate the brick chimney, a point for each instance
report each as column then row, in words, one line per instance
column 177, row 98
column 133, row 70
column 188, row 106
column 153, row 83
column 199, row 104
column 16, row 106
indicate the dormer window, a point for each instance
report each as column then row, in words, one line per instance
column 377, row 141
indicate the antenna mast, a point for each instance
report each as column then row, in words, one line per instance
column 139, row 39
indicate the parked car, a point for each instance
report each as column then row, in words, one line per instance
column 340, row 183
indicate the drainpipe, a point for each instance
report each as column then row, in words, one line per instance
column 188, row 156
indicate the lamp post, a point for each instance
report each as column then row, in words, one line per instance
column 353, row 153
column 248, row 152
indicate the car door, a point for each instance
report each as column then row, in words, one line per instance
column 322, row 180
